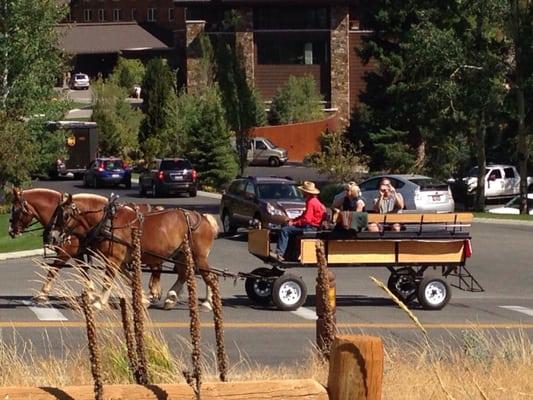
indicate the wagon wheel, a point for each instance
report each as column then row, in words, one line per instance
column 402, row 284
column 433, row 293
column 259, row 290
column 289, row 292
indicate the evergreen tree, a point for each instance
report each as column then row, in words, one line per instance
column 208, row 145
column 118, row 123
column 243, row 105
column 127, row 73
column 158, row 88
column 297, row 101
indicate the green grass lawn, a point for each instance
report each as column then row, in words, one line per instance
column 27, row 241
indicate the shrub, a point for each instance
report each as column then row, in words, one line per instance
column 128, row 73
column 297, row 101
column 328, row 192
column 339, row 159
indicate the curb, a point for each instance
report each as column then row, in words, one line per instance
column 22, row 254
column 498, row 221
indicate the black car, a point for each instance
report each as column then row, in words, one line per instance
column 168, row 175
column 107, row 171
column 269, row 200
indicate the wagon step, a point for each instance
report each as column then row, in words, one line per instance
column 465, row 279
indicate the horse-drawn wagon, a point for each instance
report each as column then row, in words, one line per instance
column 427, row 242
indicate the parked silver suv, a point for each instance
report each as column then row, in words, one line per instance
column 420, row 193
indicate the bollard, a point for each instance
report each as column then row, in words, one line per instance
column 325, row 302
column 356, row 368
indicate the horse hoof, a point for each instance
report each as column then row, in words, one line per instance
column 153, row 299
column 169, row 304
column 40, row 299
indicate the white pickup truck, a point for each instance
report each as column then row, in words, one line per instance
column 500, row 181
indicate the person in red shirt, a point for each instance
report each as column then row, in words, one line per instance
column 311, row 219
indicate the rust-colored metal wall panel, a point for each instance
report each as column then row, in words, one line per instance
column 299, row 139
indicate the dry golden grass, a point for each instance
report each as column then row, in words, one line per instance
column 473, row 364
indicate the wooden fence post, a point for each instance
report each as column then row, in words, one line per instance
column 356, row 368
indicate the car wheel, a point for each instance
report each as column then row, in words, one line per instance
column 85, row 183
column 142, row 190
column 95, row 183
column 273, row 161
column 193, row 193
column 128, row 184
column 433, row 293
column 228, row 225
column 155, row 192
column 259, row 290
column 289, row 292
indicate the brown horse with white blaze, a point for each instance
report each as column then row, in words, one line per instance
column 163, row 233
column 40, row 204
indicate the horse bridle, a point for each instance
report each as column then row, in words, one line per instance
column 28, row 210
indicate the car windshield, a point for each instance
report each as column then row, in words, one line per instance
column 429, row 184
column 272, row 145
column 113, row 164
column 80, row 76
column 175, row 165
column 278, row 191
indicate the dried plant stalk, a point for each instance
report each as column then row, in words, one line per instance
column 94, row 353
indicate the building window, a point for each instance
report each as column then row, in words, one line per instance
column 134, row 14
column 101, row 15
column 294, row 50
column 291, row 18
column 171, row 14
column 152, row 14
column 117, row 14
column 87, row 15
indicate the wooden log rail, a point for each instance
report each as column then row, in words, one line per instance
column 355, row 373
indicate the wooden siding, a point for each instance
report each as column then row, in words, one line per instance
column 269, row 78
column 299, row 139
column 357, row 68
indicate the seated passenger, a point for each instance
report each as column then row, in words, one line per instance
column 387, row 202
column 349, row 199
column 311, row 219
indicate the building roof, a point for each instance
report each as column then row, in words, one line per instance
column 107, row 37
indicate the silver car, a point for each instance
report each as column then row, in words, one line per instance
column 420, row 193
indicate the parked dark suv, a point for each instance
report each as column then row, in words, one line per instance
column 107, row 171
column 268, row 199
column 168, row 175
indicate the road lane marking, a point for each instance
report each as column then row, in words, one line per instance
column 269, row 325
column 520, row 309
column 45, row 313
column 305, row 313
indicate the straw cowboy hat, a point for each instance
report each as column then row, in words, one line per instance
column 309, row 187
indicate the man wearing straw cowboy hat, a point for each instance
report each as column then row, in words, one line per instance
column 311, row 218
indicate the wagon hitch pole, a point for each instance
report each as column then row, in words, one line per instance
column 326, row 307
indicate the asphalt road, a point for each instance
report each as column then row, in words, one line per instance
column 501, row 262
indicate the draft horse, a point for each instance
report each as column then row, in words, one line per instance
column 163, row 234
column 40, row 204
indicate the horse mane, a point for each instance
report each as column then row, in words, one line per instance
column 89, row 196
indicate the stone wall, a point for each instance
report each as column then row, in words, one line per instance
column 339, row 43
column 194, row 54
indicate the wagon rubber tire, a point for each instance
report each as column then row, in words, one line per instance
column 259, row 291
column 433, row 293
column 407, row 294
column 228, row 226
column 273, row 162
column 289, row 292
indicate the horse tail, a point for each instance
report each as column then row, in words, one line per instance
column 212, row 223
